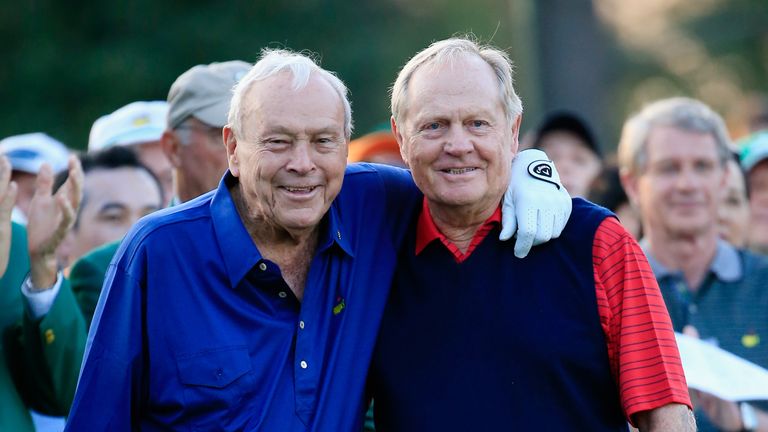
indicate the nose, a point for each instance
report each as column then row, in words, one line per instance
column 301, row 161
column 458, row 142
column 686, row 179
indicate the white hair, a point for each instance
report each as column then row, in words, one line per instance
column 679, row 112
column 446, row 51
column 301, row 66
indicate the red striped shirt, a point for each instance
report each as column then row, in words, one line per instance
column 642, row 351
column 641, row 341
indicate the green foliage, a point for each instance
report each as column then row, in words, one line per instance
column 67, row 63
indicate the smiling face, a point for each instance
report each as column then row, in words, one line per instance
column 680, row 190
column 455, row 137
column 113, row 200
column 291, row 154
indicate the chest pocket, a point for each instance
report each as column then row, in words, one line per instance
column 215, row 382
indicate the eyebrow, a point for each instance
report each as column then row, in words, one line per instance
column 442, row 115
column 331, row 130
column 111, row 205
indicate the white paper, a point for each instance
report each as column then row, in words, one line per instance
column 716, row 371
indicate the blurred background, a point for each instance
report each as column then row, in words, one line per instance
column 67, row 63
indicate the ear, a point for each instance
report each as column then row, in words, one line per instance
column 399, row 138
column 516, row 134
column 230, row 142
column 171, row 147
column 629, row 183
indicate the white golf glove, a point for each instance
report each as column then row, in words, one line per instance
column 536, row 205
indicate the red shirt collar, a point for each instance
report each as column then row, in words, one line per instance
column 427, row 232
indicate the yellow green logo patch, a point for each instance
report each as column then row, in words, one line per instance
column 340, row 305
column 750, row 340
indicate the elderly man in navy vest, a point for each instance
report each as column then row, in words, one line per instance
column 573, row 337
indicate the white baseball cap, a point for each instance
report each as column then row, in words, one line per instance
column 135, row 123
column 28, row 152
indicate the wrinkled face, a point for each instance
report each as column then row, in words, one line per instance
column 733, row 215
column 455, row 136
column 758, row 201
column 113, row 200
column 152, row 156
column 680, row 191
column 202, row 158
column 577, row 164
column 290, row 157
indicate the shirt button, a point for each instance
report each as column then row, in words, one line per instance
column 282, row 294
column 301, row 325
column 693, row 309
column 338, row 234
column 262, row 266
column 303, row 364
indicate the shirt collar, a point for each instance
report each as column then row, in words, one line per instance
column 427, row 231
column 726, row 264
column 333, row 231
column 237, row 248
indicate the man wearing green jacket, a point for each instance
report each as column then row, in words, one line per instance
column 198, row 103
column 39, row 358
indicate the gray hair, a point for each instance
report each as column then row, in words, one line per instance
column 301, row 66
column 445, row 51
column 679, row 112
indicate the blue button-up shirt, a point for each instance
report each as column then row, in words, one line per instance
column 194, row 330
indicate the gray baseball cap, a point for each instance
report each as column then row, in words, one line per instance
column 205, row 92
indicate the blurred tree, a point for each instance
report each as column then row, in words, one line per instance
column 67, row 63
column 714, row 50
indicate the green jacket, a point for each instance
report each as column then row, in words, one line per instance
column 39, row 359
column 87, row 277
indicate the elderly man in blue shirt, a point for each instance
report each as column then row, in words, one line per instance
column 256, row 306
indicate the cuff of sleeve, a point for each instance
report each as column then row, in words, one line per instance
column 40, row 301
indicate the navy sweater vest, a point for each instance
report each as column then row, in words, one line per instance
column 496, row 343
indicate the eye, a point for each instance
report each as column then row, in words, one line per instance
column 329, row 142
column 112, row 217
column 276, row 143
column 704, row 166
column 479, row 123
column 433, row 126
column 665, row 168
